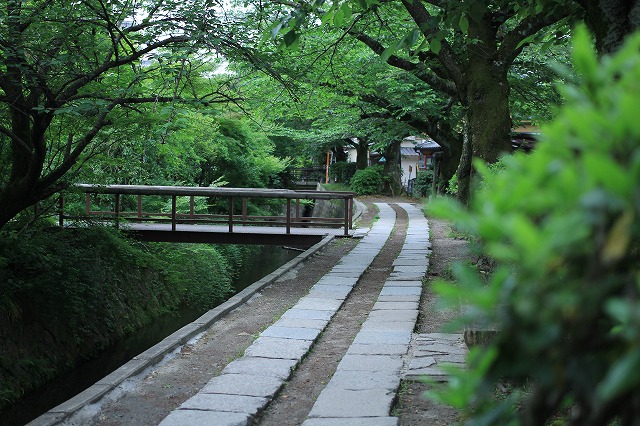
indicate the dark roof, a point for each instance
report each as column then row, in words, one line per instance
column 408, row 151
column 429, row 144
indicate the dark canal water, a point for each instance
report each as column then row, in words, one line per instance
column 68, row 385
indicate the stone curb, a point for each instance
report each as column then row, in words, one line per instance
column 156, row 353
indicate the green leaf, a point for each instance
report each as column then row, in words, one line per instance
column 617, row 242
column 338, row 18
column 276, row 30
column 435, row 45
column 623, row 376
column 346, row 10
column 464, row 23
column 290, row 38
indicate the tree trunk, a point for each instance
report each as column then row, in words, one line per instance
column 611, row 21
column 392, row 184
column 362, row 159
column 487, row 104
column 449, row 162
column 464, row 170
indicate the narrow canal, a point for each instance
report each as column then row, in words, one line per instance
column 68, row 385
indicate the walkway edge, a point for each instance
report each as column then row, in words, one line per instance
column 156, row 353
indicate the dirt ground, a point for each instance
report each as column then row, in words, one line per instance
column 151, row 398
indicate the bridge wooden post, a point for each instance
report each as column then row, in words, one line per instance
column 297, row 209
column 230, row 214
column 87, row 203
column 139, row 206
column 173, row 212
column 346, row 216
column 117, row 210
column 244, row 209
column 288, row 216
column 192, row 207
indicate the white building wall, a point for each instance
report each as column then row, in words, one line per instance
column 407, row 161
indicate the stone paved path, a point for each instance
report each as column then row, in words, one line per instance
column 363, row 389
column 247, row 384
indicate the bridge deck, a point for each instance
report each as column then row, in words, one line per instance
column 213, row 234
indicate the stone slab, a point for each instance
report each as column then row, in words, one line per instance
column 441, row 348
column 339, row 292
column 422, row 362
column 418, row 269
column 400, row 291
column 384, row 363
column 399, row 298
column 204, row 418
column 278, row 347
column 280, row 368
column 414, row 304
column 249, row 405
column 297, row 333
column 354, row 421
column 318, row 324
column 403, row 283
column 377, row 349
column 313, row 314
column 383, row 337
column 393, row 315
column 397, row 326
column 361, row 380
column 244, row 384
column 339, row 403
column 406, row 276
column 318, row 304
column 335, row 279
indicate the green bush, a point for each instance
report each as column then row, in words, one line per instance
column 342, row 172
column 563, row 226
column 368, row 181
column 67, row 293
column 422, row 184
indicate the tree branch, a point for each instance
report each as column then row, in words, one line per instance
column 509, row 49
column 15, row 138
column 418, row 69
column 445, row 56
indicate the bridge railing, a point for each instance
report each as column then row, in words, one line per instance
column 293, row 205
column 308, row 175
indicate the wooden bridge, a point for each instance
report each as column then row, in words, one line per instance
column 235, row 225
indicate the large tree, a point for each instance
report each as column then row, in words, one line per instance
column 462, row 49
column 69, row 70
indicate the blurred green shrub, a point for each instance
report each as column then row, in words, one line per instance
column 563, row 225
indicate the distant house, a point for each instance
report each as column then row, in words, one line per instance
column 427, row 148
